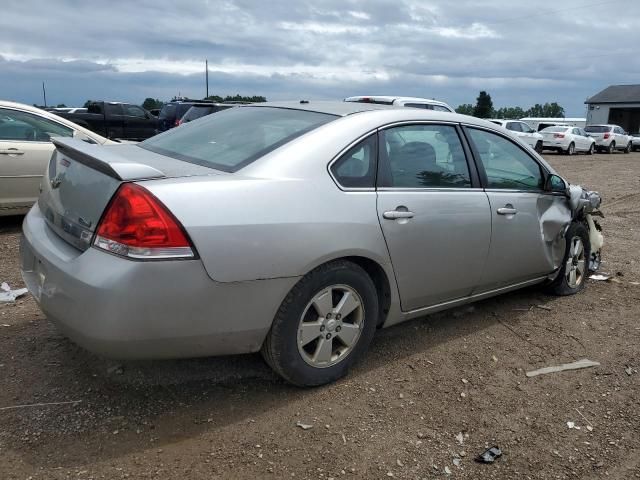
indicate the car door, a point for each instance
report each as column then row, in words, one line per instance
column 520, row 248
column 434, row 216
column 25, row 150
column 136, row 123
column 114, row 120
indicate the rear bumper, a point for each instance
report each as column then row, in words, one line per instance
column 557, row 145
column 131, row 309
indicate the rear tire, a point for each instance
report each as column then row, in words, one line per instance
column 538, row 147
column 628, row 148
column 611, row 148
column 306, row 357
column 571, row 149
column 575, row 264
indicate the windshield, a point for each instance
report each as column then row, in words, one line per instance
column 597, row 129
column 554, row 129
column 232, row 139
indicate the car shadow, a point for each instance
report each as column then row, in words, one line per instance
column 132, row 406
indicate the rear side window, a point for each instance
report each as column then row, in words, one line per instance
column 422, row 156
column 440, row 108
column 231, row 139
column 357, row 167
column 514, row 127
column 506, row 165
column 196, row 112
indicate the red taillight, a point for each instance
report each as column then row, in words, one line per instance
column 137, row 225
column 558, row 135
column 606, row 135
column 177, row 123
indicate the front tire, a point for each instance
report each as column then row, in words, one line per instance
column 591, row 149
column 575, row 264
column 323, row 326
column 628, row 148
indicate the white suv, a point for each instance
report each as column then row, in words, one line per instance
column 414, row 102
column 523, row 131
column 609, row 138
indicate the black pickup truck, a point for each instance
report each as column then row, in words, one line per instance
column 116, row 120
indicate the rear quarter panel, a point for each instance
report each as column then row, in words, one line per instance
column 281, row 216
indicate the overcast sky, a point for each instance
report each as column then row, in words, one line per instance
column 522, row 52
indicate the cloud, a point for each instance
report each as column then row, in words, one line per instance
column 125, row 50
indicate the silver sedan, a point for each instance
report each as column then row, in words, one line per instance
column 296, row 229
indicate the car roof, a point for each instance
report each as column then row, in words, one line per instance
column 393, row 98
column 330, row 107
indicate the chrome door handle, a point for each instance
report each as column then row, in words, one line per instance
column 396, row 214
column 507, row 211
column 11, row 151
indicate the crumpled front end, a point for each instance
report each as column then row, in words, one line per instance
column 585, row 204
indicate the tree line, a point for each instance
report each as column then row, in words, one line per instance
column 484, row 109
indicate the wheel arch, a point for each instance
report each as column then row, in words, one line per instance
column 381, row 278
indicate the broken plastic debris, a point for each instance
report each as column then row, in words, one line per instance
column 457, row 461
column 304, row 426
column 489, row 455
column 600, row 277
column 584, row 363
column 572, row 425
column 8, row 295
column 628, row 370
column 460, row 438
column 447, row 470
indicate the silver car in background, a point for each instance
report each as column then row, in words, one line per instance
column 296, row 229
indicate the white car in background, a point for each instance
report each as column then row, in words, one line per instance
column 635, row 141
column 523, row 131
column 415, row 102
column 25, row 150
column 610, row 138
column 568, row 140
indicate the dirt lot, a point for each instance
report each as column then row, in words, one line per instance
column 396, row 415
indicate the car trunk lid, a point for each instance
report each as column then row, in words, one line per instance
column 81, row 179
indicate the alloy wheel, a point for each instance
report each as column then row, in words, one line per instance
column 330, row 326
column 576, row 263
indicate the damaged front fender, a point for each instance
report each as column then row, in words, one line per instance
column 556, row 217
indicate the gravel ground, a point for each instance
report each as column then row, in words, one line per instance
column 429, row 396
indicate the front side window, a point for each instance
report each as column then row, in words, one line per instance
column 134, row 111
column 506, row 165
column 113, row 108
column 423, row 156
column 357, row 167
column 233, row 138
column 22, row 126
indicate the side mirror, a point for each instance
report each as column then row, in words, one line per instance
column 556, row 183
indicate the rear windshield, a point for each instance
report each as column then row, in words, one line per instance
column 234, row 138
column 169, row 110
column 597, row 129
column 555, row 129
column 198, row 111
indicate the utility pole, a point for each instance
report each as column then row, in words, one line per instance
column 206, row 68
column 44, row 94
